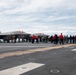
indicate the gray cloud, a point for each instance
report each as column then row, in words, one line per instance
column 48, row 16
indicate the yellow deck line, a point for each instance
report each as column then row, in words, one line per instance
column 33, row 50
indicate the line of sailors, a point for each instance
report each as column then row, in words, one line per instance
column 63, row 39
column 54, row 39
column 38, row 39
column 34, row 38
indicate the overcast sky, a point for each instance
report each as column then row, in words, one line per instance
column 35, row 16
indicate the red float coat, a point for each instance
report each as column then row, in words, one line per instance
column 61, row 36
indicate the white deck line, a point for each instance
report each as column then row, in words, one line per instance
column 21, row 46
column 73, row 50
column 21, row 69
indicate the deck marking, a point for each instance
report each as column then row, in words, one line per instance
column 20, row 46
column 1, row 57
column 21, row 69
column 73, row 50
column 8, row 54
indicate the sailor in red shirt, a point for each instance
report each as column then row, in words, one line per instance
column 36, row 39
column 61, row 38
column 33, row 38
